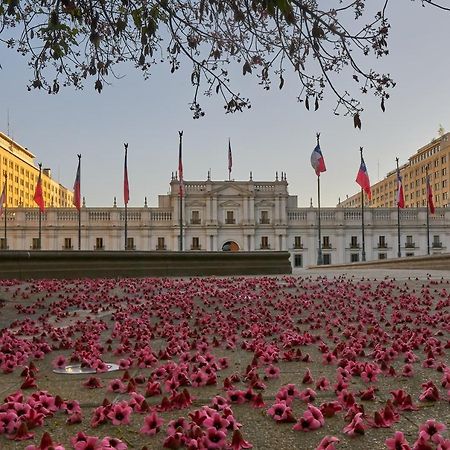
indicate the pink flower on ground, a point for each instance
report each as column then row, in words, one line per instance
column 308, row 395
column 120, row 413
column 117, row 386
column 431, row 429
column 330, row 408
column 216, row 421
column 84, row 442
column 111, row 442
column 238, row 442
column 178, row 425
column 398, row 442
column 281, row 412
column 92, row 383
column 45, row 444
column 22, row 434
column 355, row 426
column 71, row 406
column 327, row 443
column 59, row 362
column 312, row 419
column 214, row 439
column 272, row 372
column 430, row 392
column 152, row 424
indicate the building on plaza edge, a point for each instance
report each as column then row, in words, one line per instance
column 436, row 157
column 17, row 163
column 233, row 216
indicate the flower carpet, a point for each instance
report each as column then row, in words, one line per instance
column 310, row 362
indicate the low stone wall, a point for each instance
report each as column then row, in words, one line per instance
column 433, row 262
column 97, row 264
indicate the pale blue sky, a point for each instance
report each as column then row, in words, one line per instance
column 276, row 134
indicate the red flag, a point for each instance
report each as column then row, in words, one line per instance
column 400, row 195
column 3, row 199
column 230, row 159
column 430, row 201
column 180, row 166
column 126, row 189
column 363, row 179
column 77, row 187
column 317, row 160
column 38, row 195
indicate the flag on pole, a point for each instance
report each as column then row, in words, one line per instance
column 3, row 199
column 430, row 196
column 400, row 195
column 317, row 160
column 77, row 187
column 363, row 179
column 180, row 167
column 38, row 195
column 126, row 188
column 230, row 159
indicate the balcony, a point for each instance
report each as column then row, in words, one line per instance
column 161, row 247
column 264, row 221
column 298, row 246
column 196, row 247
column 410, row 245
column 99, row 247
column 382, row 245
column 326, row 246
column 436, row 244
column 354, row 245
column 230, row 221
column 67, row 247
column 130, row 247
column 196, row 222
column 264, row 247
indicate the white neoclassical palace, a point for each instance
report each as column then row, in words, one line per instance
column 233, row 215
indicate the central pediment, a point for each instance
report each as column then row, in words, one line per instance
column 229, row 189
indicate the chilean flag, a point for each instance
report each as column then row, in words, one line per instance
column 77, row 187
column 400, row 195
column 363, row 179
column 38, row 195
column 230, row 158
column 430, row 196
column 317, row 160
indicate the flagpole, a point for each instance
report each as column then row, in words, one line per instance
column 40, row 214
column 399, row 253
column 6, row 208
column 319, row 248
column 125, row 199
column 79, row 209
column 363, row 253
column 428, row 215
column 180, row 133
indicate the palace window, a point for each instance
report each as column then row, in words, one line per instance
column 382, row 242
column 354, row 257
column 264, row 217
column 98, row 244
column 298, row 261
column 298, row 242
column 36, row 244
column 265, row 242
column 229, row 219
column 195, row 243
column 3, row 244
column 195, row 217
column 409, row 242
column 437, row 241
column 354, row 242
column 326, row 259
column 161, row 244
column 326, row 242
column 130, row 243
column 67, row 244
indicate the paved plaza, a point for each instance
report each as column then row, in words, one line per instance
column 272, row 362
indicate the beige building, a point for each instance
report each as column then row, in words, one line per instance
column 18, row 164
column 436, row 157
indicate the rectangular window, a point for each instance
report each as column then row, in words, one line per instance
column 382, row 242
column 382, row 255
column 130, row 243
column 99, row 243
column 354, row 242
column 354, row 257
column 264, row 243
column 326, row 258
column 161, row 244
column 195, row 218
column 230, row 218
column 264, row 217
column 298, row 242
column 35, row 244
column 195, row 243
column 326, row 242
column 298, row 261
column 409, row 242
column 67, row 244
column 437, row 241
column 3, row 244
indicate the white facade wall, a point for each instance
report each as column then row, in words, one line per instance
column 257, row 216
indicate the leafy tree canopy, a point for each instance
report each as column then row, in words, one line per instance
column 68, row 42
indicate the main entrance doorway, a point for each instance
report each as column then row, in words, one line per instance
column 230, row 246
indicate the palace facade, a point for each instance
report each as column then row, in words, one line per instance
column 17, row 163
column 232, row 216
